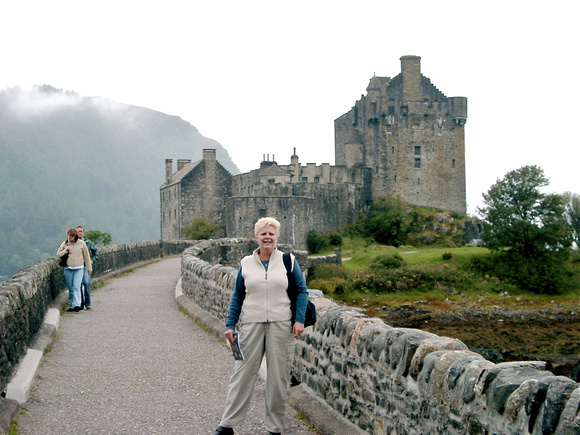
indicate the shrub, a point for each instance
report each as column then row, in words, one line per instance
column 327, row 271
column 447, row 256
column 543, row 274
column 388, row 261
column 200, row 228
column 413, row 278
column 316, row 241
column 335, row 239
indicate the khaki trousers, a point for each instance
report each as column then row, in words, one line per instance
column 275, row 341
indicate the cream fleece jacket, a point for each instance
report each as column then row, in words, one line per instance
column 78, row 255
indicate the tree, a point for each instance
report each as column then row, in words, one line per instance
column 527, row 230
column 98, row 238
column 316, row 241
column 389, row 221
column 573, row 214
column 200, row 228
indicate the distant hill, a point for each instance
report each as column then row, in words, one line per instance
column 67, row 160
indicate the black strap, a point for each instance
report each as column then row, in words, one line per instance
column 292, row 291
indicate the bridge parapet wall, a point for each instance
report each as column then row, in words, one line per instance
column 399, row 380
column 25, row 299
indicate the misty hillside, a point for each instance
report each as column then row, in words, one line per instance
column 68, row 160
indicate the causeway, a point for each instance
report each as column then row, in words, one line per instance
column 137, row 363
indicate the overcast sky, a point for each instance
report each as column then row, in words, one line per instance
column 263, row 77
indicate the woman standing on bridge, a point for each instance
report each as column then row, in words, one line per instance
column 266, row 328
column 78, row 257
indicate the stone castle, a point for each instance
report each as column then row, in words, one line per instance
column 404, row 138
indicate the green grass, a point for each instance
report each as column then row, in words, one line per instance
column 360, row 253
column 455, row 287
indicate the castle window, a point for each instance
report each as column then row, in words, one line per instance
column 305, row 179
column 453, row 163
column 389, row 129
column 395, row 178
column 393, row 149
column 417, row 163
column 317, row 179
column 418, row 181
column 271, row 180
column 418, row 151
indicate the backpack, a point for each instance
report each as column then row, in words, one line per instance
column 310, row 318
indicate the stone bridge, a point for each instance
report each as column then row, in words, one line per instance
column 382, row 379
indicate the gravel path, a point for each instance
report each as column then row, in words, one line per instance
column 135, row 364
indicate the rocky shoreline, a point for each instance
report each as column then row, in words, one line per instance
column 503, row 335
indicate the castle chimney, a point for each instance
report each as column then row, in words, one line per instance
column 294, row 162
column 168, row 170
column 181, row 163
column 411, row 70
column 209, row 154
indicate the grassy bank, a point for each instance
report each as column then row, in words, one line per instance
column 433, row 276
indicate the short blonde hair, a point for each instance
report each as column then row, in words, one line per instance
column 265, row 222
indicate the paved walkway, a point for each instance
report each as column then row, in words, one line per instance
column 136, row 364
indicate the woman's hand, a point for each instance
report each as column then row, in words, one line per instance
column 297, row 329
column 230, row 336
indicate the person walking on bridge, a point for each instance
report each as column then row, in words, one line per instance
column 261, row 307
column 78, row 257
column 86, row 284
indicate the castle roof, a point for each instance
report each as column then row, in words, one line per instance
column 178, row 176
column 273, row 169
column 377, row 83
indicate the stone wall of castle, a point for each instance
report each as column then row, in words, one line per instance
column 398, row 380
column 299, row 207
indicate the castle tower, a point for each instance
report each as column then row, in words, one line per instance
column 410, row 136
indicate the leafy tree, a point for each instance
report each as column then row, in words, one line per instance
column 200, row 228
column 527, row 231
column 98, row 238
column 388, row 222
column 573, row 214
column 316, row 241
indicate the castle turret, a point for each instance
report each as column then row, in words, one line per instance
column 374, row 87
column 411, row 70
column 458, row 109
column 354, row 149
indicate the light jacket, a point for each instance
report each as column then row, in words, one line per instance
column 260, row 294
column 78, row 255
